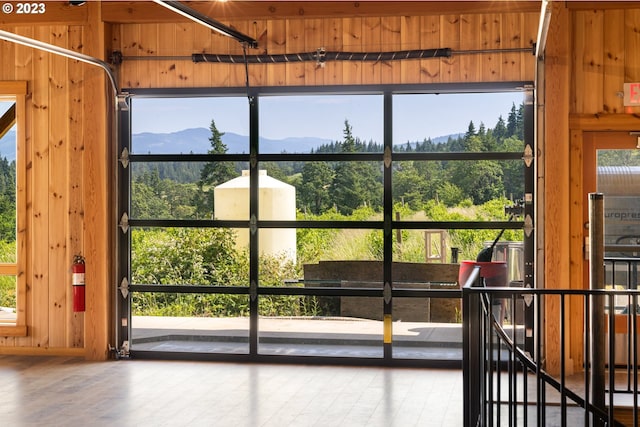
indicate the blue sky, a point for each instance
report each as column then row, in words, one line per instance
column 415, row 116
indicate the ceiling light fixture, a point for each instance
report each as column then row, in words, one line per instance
column 37, row 44
column 199, row 18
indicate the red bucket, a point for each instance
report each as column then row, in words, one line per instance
column 494, row 273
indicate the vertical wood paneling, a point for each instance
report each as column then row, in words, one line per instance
column 430, row 39
column 202, row 44
column 24, row 71
column 183, row 41
column 313, row 31
column 576, row 194
column 352, row 41
column 130, row 37
column 491, row 39
column 556, row 193
column 148, row 45
column 370, row 34
column 40, row 257
column 276, row 44
column 511, row 39
column 371, row 38
column 613, row 57
column 410, row 33
column 75, row 336
column 334, row 42
column 7, row 53
column 295, row 43
column 529, row 37
column 98, row 180
column 258, row 72
column 58, row 208
column 588, row 56
column 391, row 41
column 165, row 70
column 450, row 37
column 470, row 69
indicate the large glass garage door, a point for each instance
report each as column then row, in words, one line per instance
column 316, row 226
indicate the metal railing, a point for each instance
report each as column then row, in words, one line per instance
column 505, row 385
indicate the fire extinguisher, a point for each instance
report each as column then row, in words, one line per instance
column 78, row 283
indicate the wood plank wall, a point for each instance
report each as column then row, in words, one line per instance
column 56, row 226
column 605, row 55
column 159, row 55
column 603, row 51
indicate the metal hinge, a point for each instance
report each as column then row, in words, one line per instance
column 124, row 223
column 120, row 353
column 124, row 157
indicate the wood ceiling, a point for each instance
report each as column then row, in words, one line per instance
column 146, row 11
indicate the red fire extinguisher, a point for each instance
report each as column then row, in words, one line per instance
column 78, row 283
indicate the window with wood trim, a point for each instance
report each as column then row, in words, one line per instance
column 12, row 209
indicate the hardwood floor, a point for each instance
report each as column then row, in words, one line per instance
column 58, row 391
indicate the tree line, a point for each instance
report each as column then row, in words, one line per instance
column 7, row 200
column 185, row 190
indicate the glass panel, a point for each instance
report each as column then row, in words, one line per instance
column 457, row 122
column 188, row 256
column 319, row 326
column 327, row 191
column 618, row 178
column 454, row 183
column 427, row 327
column 8, row 287
column 187, row 190
column 447, row 245
column 321, row 123
column 190, row 125
column 317, row 245
column 199, row 323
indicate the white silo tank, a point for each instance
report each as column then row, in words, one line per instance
column 277, row 201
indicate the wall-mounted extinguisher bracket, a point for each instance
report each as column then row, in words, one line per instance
column 77, row 270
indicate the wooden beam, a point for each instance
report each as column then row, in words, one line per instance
column 556, row 189
column 7, row 120
column 97, row 194
column 148, row 12
column 600, row 5
column 8, row 269
column 42, row 12
column 605, row 122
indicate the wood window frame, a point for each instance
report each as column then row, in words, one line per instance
column 18, row 91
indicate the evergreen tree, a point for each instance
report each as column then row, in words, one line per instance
column 215, row 173
column 471, row 131
column 512, row 121
column 317, row 178
column 500, row 130
column 212, row 174
column 356, row 183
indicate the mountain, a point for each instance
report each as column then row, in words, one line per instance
column 8, row 145
column 196, row 141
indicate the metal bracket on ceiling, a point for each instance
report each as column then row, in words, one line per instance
column 123, row 105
